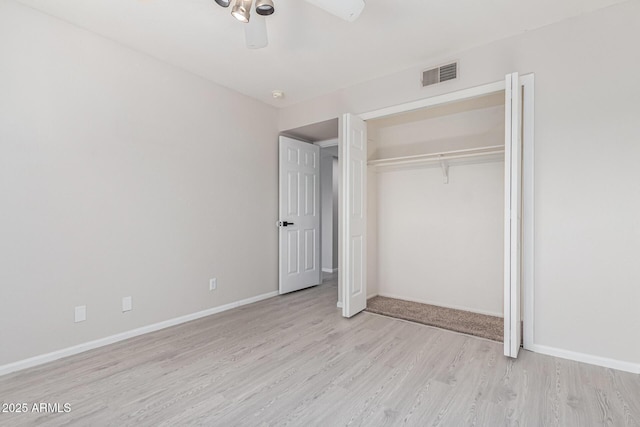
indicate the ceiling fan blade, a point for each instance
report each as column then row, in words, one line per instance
column 349, row 10
column 255, row 32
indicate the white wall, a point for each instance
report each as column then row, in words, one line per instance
column 442, row 244
column 373, row 269
column 122, row 176
column 587, row 209
column 457, row 131
column 437, row 243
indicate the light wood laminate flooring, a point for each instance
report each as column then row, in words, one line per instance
column 294, row 361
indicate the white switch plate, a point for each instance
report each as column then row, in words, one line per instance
column 81, row 313
column 127, row 304
column 213, row 284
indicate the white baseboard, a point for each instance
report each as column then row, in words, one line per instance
column 455, row 307
column 329, row 270
column 70, row 351
column 605, row 362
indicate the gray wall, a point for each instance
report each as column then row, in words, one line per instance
column 329, row 218
column 334, row 207
column 122, row 176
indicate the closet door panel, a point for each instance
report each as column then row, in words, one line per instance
column 513, row 208
column 352, row 221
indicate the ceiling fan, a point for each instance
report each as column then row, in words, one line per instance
column 255, row 30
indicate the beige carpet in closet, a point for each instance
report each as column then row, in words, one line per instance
column 479, row 325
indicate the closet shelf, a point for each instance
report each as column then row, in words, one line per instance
column 434, row 158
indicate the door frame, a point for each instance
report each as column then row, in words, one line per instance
column 527, row 83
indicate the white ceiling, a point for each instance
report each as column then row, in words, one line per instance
column 311, row 53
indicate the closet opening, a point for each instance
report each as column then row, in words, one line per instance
column 453, row 134
column 435, row 215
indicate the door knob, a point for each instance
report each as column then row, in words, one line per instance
column 284, row 223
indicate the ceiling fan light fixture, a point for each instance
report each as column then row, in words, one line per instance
column 223, row 3
column 265, row 7
column 241, row 10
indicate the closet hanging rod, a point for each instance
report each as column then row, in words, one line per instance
column 438, row 157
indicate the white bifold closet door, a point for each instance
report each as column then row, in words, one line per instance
column 512, row 215
column 353, row 216
column 299, row 223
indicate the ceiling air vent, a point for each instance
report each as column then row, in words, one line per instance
column 440, row 74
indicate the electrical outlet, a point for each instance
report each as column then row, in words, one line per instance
column 127, row 304
column 80, row 313
column 213, row 284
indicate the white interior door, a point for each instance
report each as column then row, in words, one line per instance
column 299, row 224
column 352, row 219
column 513, row 215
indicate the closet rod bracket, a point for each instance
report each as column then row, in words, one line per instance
column 445, row 170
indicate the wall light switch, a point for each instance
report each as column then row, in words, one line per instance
column 213, row 284
column 81, row 313
column 127, row 304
